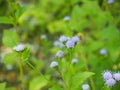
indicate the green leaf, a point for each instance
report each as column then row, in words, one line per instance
column 6, row 20
column 10, row 38
column 79, row 78
column 37, row 83
column 105, row 88
column 2, row 86
column 9, row 58
column 25, row 54
column 20, row 11
column 56, row 88
column 10, row 88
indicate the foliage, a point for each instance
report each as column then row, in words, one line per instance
column 29, row 30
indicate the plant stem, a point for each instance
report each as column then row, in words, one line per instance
column 86, row 66
column 66, row 86
column 21, row 73
column 36, row 70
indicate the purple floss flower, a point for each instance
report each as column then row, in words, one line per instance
column 116, row 76
column 110, row 82
column 63, row 38
column 103, row 51
column 107, row 75
column 74, row 60
column 110, row 1
column 59, row 44
column 19, row 47
column 53, row 64
column 60, row 54
column 70, row 44
column 85, row 87
column 67, row 18
column 75, row 39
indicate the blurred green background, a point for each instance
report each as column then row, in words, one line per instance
column 40, row 22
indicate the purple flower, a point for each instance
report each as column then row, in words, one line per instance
column 74, row 60
column 110, row 1
column 85, row 87
column 59, row 44
column 110, row 82
column 116, row 76
column 103, row 51
column 60, row 54
column 75, row 39
column 63, row 38
column 67, row 18
column 54, row 64
column 70, row 44
column 107, row 75
column 19, row 47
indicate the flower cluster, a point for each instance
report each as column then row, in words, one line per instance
column 111, row 78
column 66, row 41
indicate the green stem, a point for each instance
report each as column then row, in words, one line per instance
column 21, row 73
column 36, row 70
column 66, row 86
column 86, row 66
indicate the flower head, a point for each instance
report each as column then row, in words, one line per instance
column 116, row 76
column 59, row 44
column 43, row 36
column 75, row 39
column 70, row 44
column 60, row 54
column 107, row 75
column 85, row 87
column 103, row 51
column 67, row 18
column 54, row 64
column 110, row 1
column 74, row 60
column 9, row 67
column 19, row 47
column 110, row 82
column 63, row 38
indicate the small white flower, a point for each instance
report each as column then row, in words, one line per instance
column 70, row 44
column 116, row 76
column 85, row 87
column 63, row 38
column 75, row 39
column 9, row 67
column 110, row 82
column 110, row 1
column 43, row 36
column 58, row 43
column 103, row 51
column 32, row 22
column 67, row 18
column 74, row 60
column 19, row 47
column 60, row 54
column 107, row 75
column 54, row 64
